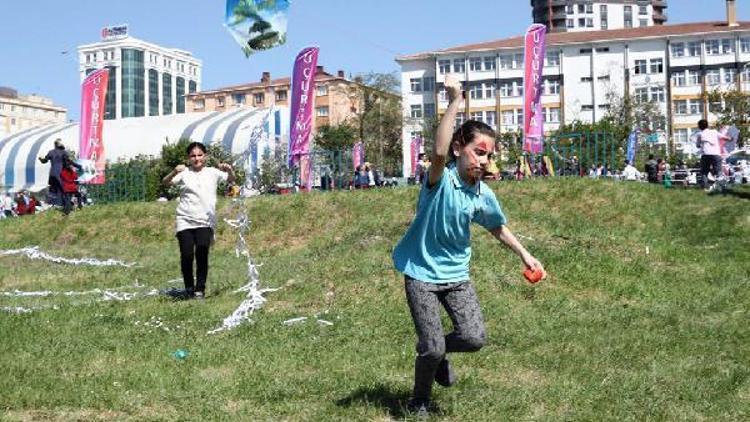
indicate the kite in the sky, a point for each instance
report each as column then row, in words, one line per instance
column 257, row 25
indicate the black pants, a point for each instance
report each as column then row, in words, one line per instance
column 67, row 198
column 194, row 244
column 710, row 163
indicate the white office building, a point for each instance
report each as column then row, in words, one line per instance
column 674, row 66
column 587, row 15
column 144, row 79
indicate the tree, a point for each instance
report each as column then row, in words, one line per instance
column 732, row 108
column 378, row 118
column 336, row 137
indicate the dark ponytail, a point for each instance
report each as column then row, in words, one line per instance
column 466, row 133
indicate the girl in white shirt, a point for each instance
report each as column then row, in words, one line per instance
column 196, row 213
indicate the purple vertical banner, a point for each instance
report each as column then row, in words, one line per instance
column 416, row 145
column 303, row 95
column 533, row 116
column 358, row 154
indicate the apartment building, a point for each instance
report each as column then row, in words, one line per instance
column 674, row 66
column 588, row 15
column 337, row 98
column 19, row 112
column 145, row 79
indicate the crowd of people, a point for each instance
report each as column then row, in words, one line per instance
column 22, row 203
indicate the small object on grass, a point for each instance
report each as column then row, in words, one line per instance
column 180, row 354
column 533, row 276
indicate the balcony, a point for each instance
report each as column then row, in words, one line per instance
column 660, row 17
column 658, row 3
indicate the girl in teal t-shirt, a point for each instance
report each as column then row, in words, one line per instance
column 434, row 253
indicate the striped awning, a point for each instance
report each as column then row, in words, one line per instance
column 242, row 131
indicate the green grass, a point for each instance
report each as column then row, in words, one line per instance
column 644, row 316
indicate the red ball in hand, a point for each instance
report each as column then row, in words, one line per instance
column 533, row 276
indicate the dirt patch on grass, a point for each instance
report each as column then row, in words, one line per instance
column 64, row 415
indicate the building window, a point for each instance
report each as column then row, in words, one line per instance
column 604, row 23
column 602, row 78
column 581, row 22
column 460, row 118
column 586, row 79
column 745, row 45
column 589, row 8
column 730, row 75
column 678, row 79
column 489, row 63
column 238, row 99
column 657, row 94
column 589, row 22
column 475, row 64
column 416, row 111
column 518, row 61
column 199, row 104
column 713, row 47
column 519, row 89
column 581, row 8
column 552, row 115
column 694, row 48
column 587, row 107
column 321, row 90
column 643, row 10
column 475, row 92
column 322, row 111
column 180, row 95
column 506, row 89
column 444, row 66
column 442, row 94
column 429, row 110
column 477, row 115
column 693, row 77
column 695, row 107
column 745, row 75
column 678, row 49
column 602, row 49
column 640, row 67
column 428, row 83
column 220, row 101
column 459, row 65
column 166, row 89
column 489, row 90
column 680, row 137
column 506, row 61
column 133, row 96
column 643, row 22
column 657, row 66
column 153, row 92
column 259, row 99
column 490, row 118
column 628, row 16
column 552, row 87
column 713, row 77
column 640, row 95
column 508, row 118
column 585, row 51
column 727, row 46
column 416, row 84
column 552, row 58
column 570, row 23
column 281, row 95
column 192, row 87
column 569, row 9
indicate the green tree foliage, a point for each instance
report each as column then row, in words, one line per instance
column 378, row 118
column 272, row 171
column 733, row 108
column 338, row 137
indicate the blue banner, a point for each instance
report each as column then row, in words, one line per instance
column 257, row 25
column 632, row 146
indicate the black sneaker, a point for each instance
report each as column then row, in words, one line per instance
column 444, row 374
column 179, row 294
column 419, row 407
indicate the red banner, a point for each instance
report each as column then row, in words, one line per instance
column 91, row 144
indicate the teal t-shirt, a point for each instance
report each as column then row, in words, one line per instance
column 437, row 246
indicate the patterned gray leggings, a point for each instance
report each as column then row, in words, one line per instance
column 461, row 303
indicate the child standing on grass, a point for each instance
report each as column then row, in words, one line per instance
column 434, row 253
column 196, row 214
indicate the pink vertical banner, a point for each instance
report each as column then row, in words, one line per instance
column 358, row 154
column 303, row 96
column 305, row 171
column 416, row 145
column 91, row 144
column 533, row 116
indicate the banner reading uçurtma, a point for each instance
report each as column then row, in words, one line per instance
column 533, row 116
column 303, row 95
column 91, row 144
column 416, row 145
column 257, row 25
column 358, row 155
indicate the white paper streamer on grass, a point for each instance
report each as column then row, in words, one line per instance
column 33, row 252
column 254, row 299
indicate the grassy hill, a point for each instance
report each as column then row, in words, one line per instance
column 644, row 316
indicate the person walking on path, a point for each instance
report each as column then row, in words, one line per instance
column 196, row 214
column 434, row 253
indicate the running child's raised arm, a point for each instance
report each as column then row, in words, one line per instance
column 444, row 133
